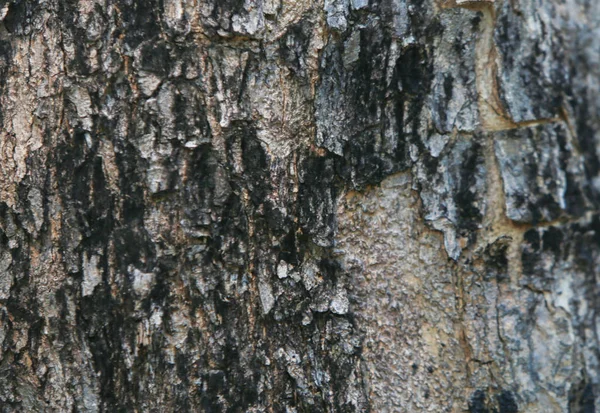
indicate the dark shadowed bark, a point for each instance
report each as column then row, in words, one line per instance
column 299, row 206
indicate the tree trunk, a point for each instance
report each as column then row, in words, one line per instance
column 299, row 206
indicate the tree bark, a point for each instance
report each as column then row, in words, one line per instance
column 299, row 205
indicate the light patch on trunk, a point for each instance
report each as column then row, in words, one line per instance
column 142, row 281
column 92, row 275
column 403, row 298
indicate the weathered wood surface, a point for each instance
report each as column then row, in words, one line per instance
column 299, row 205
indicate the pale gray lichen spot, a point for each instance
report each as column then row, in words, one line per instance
column 320, row 302
column 266, row 296
column 337, row 13
column 401, row 19
column 166, row 102
column 309, row 275
column 142, row 281
column 307, row 318
column 282, row 270
column 251, row 22
column 436, row 143
column 359, row 4
column 157, row 177
column 92, row 274
column 148, row 82
column 340, row 303
column 36, row 202
column 82, row 102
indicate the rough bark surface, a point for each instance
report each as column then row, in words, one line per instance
column 300, row 206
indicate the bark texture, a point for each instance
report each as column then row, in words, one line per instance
column 300, row 206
